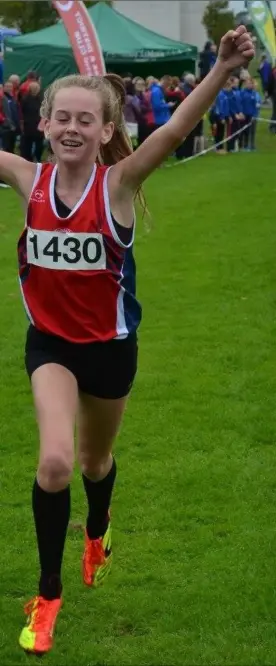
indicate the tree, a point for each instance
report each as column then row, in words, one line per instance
column 218, row 19
column 29, row 15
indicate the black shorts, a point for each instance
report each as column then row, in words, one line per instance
column 103, row 369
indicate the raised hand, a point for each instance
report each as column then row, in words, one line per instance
column 236, row 48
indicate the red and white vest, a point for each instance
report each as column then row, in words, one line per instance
column 77, row 278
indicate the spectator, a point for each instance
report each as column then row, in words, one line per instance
column 173, row 93
column 31, row 77
column 32, row 137
column 127, row 78
column 2, row 118
column 188, row 83
column 207, row 59
column 15, row 80
column 161, row 109
column 199, row 140
column 131, row 109
column 236, row 114
column 265, row 72
column 249, row 109
column 1, row 69
column 145, row 117
column 228, row 117
column 244, row 76
column 187, row 147
column 11, row 124
column 149, row 81
column 271, row 89
column 253, row 126
column 220, row 112
column 213, row 55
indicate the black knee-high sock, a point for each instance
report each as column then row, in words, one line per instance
column 99, row 497
column 51, row 515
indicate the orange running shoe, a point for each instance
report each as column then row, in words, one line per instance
column 37, row 635
column 97, row 558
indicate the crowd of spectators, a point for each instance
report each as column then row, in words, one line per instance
column 149, row 104
column 20, row 116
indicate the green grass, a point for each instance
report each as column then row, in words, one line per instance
column 194, row 509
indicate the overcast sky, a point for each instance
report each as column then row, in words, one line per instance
column 238, row 5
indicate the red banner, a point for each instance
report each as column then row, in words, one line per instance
column 83, row 36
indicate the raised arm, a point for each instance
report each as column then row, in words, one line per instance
column 236, row 49
column 18, row 173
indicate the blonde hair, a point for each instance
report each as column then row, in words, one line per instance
column 112, row 90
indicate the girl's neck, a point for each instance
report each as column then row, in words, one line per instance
column 69, row 179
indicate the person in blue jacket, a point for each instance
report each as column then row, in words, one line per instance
column 253, row 126
column 236, row 114
column 249, row 109
column 160, row 108
column 219, row 116
column 265, row 70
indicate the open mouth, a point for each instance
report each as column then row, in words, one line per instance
column 70, row 143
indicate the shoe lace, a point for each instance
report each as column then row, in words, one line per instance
column 39, row 611
column 95, row 554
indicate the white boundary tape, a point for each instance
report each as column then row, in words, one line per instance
column 216, row 145
column 266, row 120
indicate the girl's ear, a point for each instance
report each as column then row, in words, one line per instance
column 107, row 133
column 44, row 126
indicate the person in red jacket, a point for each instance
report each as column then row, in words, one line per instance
column 173, row 92
column 24, row 88
column 15, row 80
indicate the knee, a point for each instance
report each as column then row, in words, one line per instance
column 55, row 471
column 95, row 467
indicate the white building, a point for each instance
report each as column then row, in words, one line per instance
column 177, row 19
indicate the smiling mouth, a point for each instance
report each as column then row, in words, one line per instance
column 70, row 143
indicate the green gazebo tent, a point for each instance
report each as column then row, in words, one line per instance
column 127, row 46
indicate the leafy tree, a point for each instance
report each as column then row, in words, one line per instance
column 218, row 19
column 29, row 15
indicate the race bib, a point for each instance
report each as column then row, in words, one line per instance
column 66, row 251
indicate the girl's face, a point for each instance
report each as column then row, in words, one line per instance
column 140, row 85
column 76, row 128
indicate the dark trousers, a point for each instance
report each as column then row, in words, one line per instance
column 187, row 147
column 244, row 140
column 219, row 133
column 235, row 126
column 27, row 143
column 272, row 127
column 252, row 134
column 144, row 131
column 8, row 140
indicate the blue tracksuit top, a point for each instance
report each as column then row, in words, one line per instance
column 235, row 102
column 249, row 102
column 221, row 107
column 159, row 106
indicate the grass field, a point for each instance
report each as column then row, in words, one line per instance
column 194, row 510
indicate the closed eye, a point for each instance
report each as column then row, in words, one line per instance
column 62, row 118
column 86, row 118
